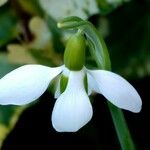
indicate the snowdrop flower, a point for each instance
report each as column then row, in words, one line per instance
column 72, row 109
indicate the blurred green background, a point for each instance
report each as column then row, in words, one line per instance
column 29, row 34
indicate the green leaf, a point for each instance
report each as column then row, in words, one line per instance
column 6, row 113
column 41, row 59
column 5, row 66
column 107, row 6
column 8, row 22
column 31, row 6
column 56, row 34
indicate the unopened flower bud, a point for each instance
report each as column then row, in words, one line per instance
column 74, row 56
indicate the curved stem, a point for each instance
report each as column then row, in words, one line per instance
column 121, row 127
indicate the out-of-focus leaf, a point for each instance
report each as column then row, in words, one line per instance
column 3, row 133
column 39, row 49
column 106, row 6
column 47, row 57
column 21, row 53
column 8, row 117
column 26, row 55
column 5, row 65
column 128, row 41
column 64, row 8
column 8, row 28
column 56, row 34
column 6, row 112
column 31, row 6
column 41, row 33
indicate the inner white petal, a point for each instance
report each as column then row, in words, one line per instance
column 72, row 109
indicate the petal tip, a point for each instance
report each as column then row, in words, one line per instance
column 65, row 130
column 138, row 108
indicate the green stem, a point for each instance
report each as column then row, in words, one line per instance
column 121, row 127
column 99, row 51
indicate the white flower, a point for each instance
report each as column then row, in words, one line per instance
column 72, row 109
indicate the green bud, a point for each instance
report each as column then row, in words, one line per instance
column 74, row 56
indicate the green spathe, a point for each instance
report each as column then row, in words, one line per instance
column 74, row 56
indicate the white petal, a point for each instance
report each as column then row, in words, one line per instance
column 26, row 84
column 72, row 109
column 117, row 90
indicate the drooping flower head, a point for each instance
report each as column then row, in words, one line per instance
column 72, row 109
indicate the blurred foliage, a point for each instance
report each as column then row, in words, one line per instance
column 5, row 65
column 6, row 113
column 8, row 22
column 30, row 6
column 29, row 34
column 128, row 39
column 106, row 6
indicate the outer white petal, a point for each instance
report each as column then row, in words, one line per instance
column 117, row 90
column 26, row 84
column 72, row 109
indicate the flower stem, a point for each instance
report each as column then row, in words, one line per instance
column 121, row 127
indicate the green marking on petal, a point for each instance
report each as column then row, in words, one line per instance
column 63, row 83
column 86, row 83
